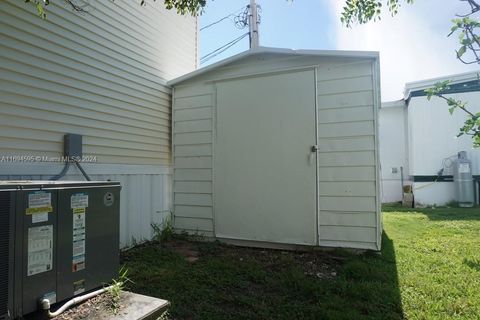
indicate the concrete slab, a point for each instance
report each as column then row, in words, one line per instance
column 139, row 307
column 133, row 307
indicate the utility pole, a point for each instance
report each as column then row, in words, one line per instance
column 253, row 25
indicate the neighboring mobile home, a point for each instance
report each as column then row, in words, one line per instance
column 421, row 136
column 101, row 74
column 276, row 147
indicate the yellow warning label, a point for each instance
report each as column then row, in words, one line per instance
column 78, row 210
column 38, row 210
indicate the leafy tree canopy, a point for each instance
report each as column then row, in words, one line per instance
column 363, row 11
column 193, row 7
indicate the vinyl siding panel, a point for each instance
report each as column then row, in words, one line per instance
column 350, row 188
column 195, row 199
column 201, row 225
column 340, row 130
column 193, row 174
column 193, row 159
column 193, row 138
column 101, row 74
column 196, row 114
column 347, row 144
column 347, row 163
column 203, row 149
column 193, row 126
column 345, row 100
column 193, row 212
column 345, row 115
column 348, row 234
column 346, row 71
column 347, row 159
column 347, row 203
column 355, row 84
column 193, row 187
column 352, row 219
column 346, row 174
column 193, row 162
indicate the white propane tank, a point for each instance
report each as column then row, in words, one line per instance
column 462, row 176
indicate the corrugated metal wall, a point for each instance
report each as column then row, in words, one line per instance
column 101, row 74
column 193, row 159
column 347, row 171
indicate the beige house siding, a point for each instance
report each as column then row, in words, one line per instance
column 101, row 74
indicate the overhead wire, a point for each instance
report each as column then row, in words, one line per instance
column 241, row 21
column 233, row 14
column 214, row 23
column 221, row 49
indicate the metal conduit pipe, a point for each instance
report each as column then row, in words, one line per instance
column 82, row 171
column 62, row 173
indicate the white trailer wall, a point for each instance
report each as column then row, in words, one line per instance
column 432, row 135
column 393, row 149
column 102, row 75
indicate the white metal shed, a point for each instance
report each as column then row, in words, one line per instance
column 276, row 147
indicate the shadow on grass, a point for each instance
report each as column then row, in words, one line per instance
column 473, row 264
column 375, row 279
column 439, row 213
column 243, row 283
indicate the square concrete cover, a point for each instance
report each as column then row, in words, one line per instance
column 139, row 307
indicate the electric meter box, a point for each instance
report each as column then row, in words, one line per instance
column 58, row 239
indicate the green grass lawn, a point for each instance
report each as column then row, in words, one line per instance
column 429, row 269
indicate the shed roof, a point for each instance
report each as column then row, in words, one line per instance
column 268, row 50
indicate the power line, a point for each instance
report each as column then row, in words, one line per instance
column 221, row 49
column 218, row 21
column 233, row 14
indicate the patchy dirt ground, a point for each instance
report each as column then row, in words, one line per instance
column 318, row 264
column 98, row 307
column 211, row 280
column 95, row 308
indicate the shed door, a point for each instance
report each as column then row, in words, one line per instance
column 265, row 175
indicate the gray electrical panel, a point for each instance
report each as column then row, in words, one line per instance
column 72, row 146
column 58, row 239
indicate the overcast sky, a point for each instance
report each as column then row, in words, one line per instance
column 413, row 45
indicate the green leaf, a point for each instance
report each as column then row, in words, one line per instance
column 40, row 10
column 461, row 51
